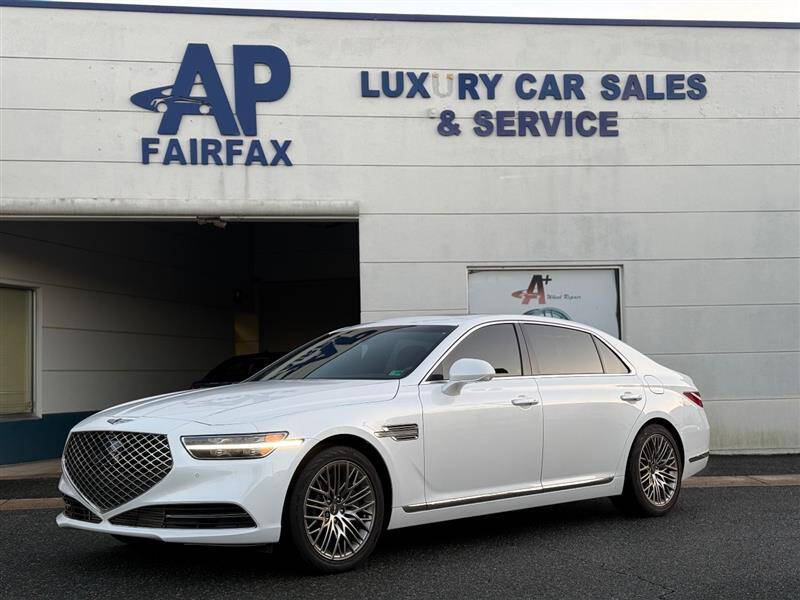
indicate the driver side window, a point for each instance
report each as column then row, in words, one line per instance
column 496, row 344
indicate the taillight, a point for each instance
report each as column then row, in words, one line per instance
column 694, row 397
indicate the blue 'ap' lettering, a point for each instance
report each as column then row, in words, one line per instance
column 248, row 92
column 198, row 63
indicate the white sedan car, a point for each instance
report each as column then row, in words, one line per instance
column 390, row 424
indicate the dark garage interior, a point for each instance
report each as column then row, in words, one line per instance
column 127, row 309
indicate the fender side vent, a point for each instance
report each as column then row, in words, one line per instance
column 398, row 433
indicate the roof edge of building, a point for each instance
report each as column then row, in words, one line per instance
column 300, row 14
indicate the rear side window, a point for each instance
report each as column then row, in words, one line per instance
column 496, row 344
column 562, row 351
column 611, row 362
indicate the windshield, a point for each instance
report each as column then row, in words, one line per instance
column 363, row 353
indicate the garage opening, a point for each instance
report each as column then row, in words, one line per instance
column 112, row 311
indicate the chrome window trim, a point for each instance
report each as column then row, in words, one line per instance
column 508, row 378
column 514, row 377
column 596, row 341
column 585, row 375
column 632, row 370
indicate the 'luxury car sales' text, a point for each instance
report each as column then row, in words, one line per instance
column 530, row 87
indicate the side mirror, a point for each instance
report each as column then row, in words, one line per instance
column 467, row 370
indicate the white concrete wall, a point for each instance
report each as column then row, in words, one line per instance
column 698, row 201
column 126, row 310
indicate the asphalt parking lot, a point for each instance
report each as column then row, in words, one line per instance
column 720, row 542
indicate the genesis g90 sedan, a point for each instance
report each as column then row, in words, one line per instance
column 386, row 425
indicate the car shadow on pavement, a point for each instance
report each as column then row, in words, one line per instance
column 407, row 544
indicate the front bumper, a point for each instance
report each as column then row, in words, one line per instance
column 258, row 486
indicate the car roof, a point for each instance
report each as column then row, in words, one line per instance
column 633, row 356
column 470, row 320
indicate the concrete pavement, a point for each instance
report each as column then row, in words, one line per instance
column 735, row 533
column 733, row 542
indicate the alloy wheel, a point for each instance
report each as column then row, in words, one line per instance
column 658, row 469
column 339, row 510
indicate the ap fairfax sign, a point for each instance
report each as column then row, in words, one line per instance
column 176, row 101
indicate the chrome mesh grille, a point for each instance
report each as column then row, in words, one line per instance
column 111, row 468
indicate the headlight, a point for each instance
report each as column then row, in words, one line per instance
column 246, row 445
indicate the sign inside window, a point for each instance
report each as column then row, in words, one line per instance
column 589, row 296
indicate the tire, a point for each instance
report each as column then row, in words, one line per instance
column 335, row 510
column 652, row 475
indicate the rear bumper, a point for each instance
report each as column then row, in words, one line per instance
column 696, row 439
column 695, row 464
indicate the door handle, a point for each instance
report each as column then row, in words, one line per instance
column 524, row 401
column 630, row 397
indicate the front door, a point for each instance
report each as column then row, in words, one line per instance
column 488, row 438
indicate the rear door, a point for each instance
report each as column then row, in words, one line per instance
column 590, row 402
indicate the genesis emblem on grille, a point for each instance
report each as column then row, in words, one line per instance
column 116, row 420
column 111, row 468
column 114, row 448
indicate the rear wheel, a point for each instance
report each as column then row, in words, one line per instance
column 653, row 474
column 335, row 513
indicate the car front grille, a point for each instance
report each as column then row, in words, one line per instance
column 186, row 516
column 111, row 468
column 75, row 510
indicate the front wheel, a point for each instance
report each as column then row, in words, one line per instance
column 653, row 474
column 335, row 513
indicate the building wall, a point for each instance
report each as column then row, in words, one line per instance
column 699, row 202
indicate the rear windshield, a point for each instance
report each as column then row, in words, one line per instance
column 363, row 353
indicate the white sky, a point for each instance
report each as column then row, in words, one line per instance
column 699, row 10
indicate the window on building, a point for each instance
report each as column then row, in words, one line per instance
column 16, row 351
column 562, row 351
column 611, row 362
column 496, row 344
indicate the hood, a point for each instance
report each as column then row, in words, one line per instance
column 248, row 402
